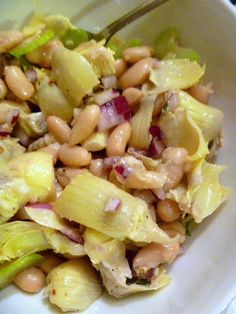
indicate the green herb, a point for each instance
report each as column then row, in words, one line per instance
column 165, row 108
column 188, row 224
column 138, row 281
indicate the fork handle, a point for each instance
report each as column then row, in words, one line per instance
column 126, row 19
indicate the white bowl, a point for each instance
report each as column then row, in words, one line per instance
column 204, row 277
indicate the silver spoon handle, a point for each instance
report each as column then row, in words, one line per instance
column 126, row 19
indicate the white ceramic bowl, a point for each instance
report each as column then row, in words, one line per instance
column 204, row 277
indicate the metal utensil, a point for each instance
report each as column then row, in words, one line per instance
column 126, row 19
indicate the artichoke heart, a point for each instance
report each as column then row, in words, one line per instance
column 73, row 285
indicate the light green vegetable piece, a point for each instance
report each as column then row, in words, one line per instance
column 73, row 285
column 176, row 74
column 167, row 46
column 29, row 45
column 96, row 141
column 60, row 24
column 18, row 238
column 108, row 256
column 9, row 270
column 53, row 102
column 74, row 74
column 14, row 193
column 73, row 37
column 84, row 201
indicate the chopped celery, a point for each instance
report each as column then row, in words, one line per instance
column 167, row 46
column 73, row 285
column 9, row 270
column 140, row 123
column 73, row 37
column 18, row 238
column 74, row 74
column 28, row 46
column 176, row 74
column 60, row 24
column 166, row 41
column 186, row 53
column 84, row 201
column 117, row 45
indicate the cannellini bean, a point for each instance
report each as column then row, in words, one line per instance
column 133, row 96
column 67, row 174
column 84, row 124
column 74, row 156
column 159, row 104
column 154, row 254
column 120, row 67
column 3, row 89
column 118, row 140
column 173, row 172
column 173, row 229
column 51, row 260
column 43, row 55
column 134, row 54
column 146, row 195
column 10, row 39
column 168, row 210
column 200, row 92
column 59, row 129
column 96, row 167
column 30, row 280
column 18, row 83
column 143, row 179
column 137, row 74
column 52, row 149
column 177, row 155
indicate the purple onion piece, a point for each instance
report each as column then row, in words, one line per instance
column 112, row 205
column 114, row 112
column 4, row 133
column 122, row 170
column 110, row 161
column 73, row 235
column 40, row 206
column 156, row 148
column 31, row 75
column 106, row 96
column 155, row 131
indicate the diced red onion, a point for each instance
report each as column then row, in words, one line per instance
column 114, row 112
column 73, row 235
column 109, row 81
column 155, row 131
column 122, row 170
column 31, row 75
column 4, row 133
column 13, row 116
column 172, row 101
column 41, row 206
column 156, row 148
column 112, row 205
column 110, row 161
column 106, row 95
